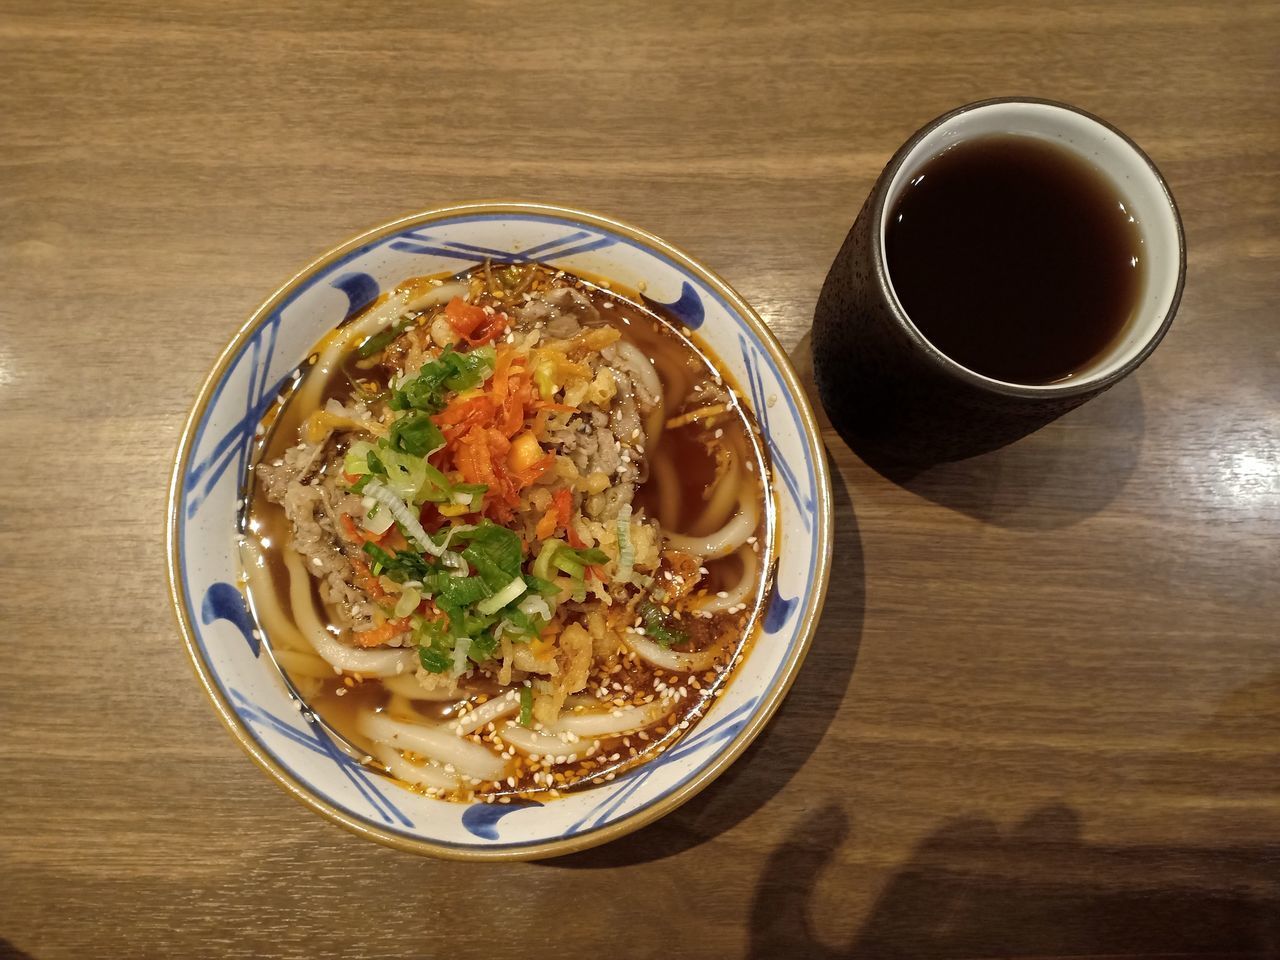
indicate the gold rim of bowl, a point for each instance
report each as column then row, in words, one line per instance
column 770, row 699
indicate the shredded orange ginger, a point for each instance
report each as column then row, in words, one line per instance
column 479, row 428
column 381, row 633
column 558, row 515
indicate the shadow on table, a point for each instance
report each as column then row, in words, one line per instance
column 790, row 737
column 1063, row 473
column 1039, row 890
column 9, row 952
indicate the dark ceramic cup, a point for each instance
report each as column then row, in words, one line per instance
column 891, row 394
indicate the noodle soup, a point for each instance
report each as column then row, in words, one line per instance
column 508, row 533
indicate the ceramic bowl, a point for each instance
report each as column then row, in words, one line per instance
column 230, row 655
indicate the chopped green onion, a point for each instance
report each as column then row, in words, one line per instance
column 626, row 549
column 433, row 661
column 511, row 592
column 416, row 433
column 468, row 494
column 482, row 647
column 408, row 602
column 536, row 606
column 377, row 519
column 542, row 565
column 658, row 627
column 566, row 564
column 403, row 566
column 526, row 706
column 413, row 530
column 543, row 377
column 460, row 649
column 357, row 459
column 457, row 592
column 379, row 342
column 497, row 545
column 451, row 371
column 540, row 586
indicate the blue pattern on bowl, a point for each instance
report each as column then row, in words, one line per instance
column 222, row 601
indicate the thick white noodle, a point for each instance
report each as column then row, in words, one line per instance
column 664, row 479
column 436, row 296
column 407, row 686
column 279, row 628
column 377, row 319
column 609, row 722
column 728, row 538
column 386, row 662
column 429, row 774
column 436, row 742
column 664, row 659
column 534, row 743
column 487, row 712
column 724, row 497
column 641, row 367
column 303, row 665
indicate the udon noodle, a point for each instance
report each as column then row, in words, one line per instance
column 508, row 533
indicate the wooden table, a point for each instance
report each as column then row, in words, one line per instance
column 1042, row 713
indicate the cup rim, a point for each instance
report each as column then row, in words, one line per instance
column 957, row 370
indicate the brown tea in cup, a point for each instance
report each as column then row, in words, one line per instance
column 1015, row 258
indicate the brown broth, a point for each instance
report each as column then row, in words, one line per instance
column 682, row 363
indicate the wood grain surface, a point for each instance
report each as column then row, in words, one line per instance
column 1042, row 713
